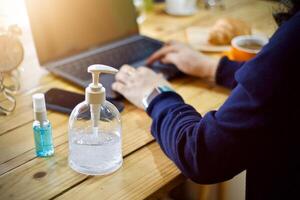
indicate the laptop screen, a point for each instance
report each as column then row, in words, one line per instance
column 62, row 28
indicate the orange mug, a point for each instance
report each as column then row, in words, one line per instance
column 245, row 47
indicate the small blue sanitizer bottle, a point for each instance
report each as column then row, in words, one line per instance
column 41, row 127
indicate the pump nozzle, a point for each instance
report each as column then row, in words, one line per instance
column 97, row 69
column 95, row 92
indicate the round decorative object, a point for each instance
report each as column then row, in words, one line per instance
column 11, row 49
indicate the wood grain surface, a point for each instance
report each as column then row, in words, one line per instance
column 145, row 168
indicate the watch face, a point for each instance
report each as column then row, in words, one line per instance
column 156, row 91
column 147, row 99
column 11, row 53
column 153, row 94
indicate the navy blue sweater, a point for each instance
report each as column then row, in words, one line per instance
column 253, row 130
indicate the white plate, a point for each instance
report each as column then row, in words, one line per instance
column 197, row 37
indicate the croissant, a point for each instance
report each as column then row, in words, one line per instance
column 227, row 28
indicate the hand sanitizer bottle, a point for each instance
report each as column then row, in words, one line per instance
column 41, row 127
column 95, row 130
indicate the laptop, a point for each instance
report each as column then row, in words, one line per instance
column 70, row 35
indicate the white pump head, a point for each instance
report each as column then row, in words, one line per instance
column 95, row 92
column 39, row 102
column 39, row 107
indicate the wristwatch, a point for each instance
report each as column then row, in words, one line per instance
column 155, row 92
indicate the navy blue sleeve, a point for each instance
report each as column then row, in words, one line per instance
column 204, row 148
column 217, row 146
column 225, row 72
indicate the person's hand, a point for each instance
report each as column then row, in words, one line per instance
column 186, row 59
column 135, row 84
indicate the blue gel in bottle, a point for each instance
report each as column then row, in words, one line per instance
column 43, row 139
column 42, row 129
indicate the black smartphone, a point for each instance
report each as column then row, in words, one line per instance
column 65, row 101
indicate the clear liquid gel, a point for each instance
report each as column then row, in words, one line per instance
column 93, row 155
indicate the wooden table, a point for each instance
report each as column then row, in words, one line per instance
column 146, row 169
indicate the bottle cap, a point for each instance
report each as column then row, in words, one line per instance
column 39, row 102
column 95, row 92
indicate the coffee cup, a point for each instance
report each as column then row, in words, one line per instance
column 245, row 47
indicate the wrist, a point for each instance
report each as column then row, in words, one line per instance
column 209, row 66
column 212, row 69
column 148, row 98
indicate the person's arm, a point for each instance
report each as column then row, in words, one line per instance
column 211, row 148
column 226, row 69
column 222, row 143
column 249, row 127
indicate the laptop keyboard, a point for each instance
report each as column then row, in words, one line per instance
column 127, row 53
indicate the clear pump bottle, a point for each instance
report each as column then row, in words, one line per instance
column 95, row 130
